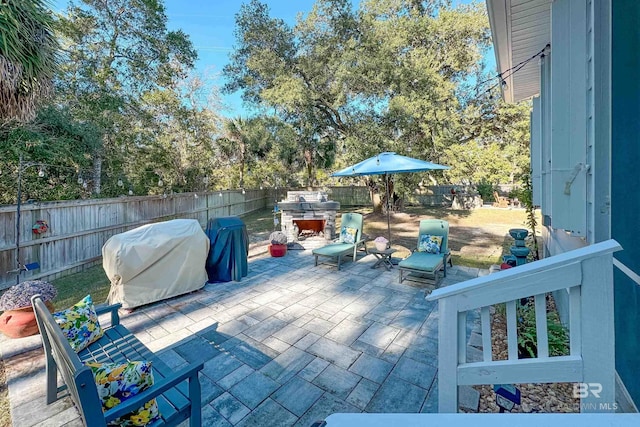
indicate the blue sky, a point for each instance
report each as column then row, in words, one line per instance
column 210, row 25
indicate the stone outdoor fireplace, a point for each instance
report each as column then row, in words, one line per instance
column 308, row 217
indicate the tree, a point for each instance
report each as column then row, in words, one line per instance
column 384, row 78
column 298, row 71
column 118, row 50
column 28, row 52
column 57, row 142
column 245, row 143
column 176, row 136
column 496, row 146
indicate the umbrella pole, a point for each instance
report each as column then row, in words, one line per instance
column 386, row 176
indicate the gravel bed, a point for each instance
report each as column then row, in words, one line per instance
column 544, row 398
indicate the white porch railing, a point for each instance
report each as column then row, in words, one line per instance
column 587, row 275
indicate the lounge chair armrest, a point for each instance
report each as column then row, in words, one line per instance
column 157, row 389
column 113, row 309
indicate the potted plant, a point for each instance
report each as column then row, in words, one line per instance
column 18, row 319
column 381, row 243
column 278, row 246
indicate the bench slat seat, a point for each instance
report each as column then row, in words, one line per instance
column 122, row 347
column 177, row 393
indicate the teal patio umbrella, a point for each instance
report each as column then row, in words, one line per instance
column 386, row 164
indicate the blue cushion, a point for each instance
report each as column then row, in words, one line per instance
column 334, row 249
column 422, row 261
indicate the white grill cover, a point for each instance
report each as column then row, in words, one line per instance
column 155, row 262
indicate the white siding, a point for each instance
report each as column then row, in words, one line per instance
column 536, row 151
column 545, row 148
column 569, row 121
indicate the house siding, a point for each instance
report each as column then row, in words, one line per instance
column 570, row 101
column 625, row 185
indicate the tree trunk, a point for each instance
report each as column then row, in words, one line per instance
column 97, row 174
column 308, row 159
column 377, row 202
column 376, row 199
column 243, row 150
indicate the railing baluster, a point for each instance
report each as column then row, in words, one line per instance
column 575, row 329
column 462, row 337
column 512, row 330
column 541, row 325
column 486, row 333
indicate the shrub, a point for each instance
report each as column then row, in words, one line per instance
column 558, row 337
column 485, row 189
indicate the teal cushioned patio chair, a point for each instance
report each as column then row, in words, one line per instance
column 347, row 244
column 425, row 266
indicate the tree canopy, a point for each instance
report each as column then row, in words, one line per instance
column 28, row 57
column 131, row 116
column 391, row 76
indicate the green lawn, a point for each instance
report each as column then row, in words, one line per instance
column 73, row 288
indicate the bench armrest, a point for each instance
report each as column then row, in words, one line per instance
column 113, row 309
column 190, row 372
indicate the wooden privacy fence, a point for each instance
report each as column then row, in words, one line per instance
column 433, row 195
column 78, row 229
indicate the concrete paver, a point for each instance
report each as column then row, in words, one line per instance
column 230, row 408
column 371, row 368
column 337, row 381
column 297, row 395
column 288, row 345
column 397, row 395
column 254, row 389
column 362, row 394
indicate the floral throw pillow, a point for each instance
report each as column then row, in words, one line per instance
column 79, row 324
column 429, row 243
column 118, row 382
column 348, row 234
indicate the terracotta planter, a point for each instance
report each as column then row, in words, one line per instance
column 278, row 250
column 21, row 322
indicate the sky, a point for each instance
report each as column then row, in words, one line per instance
column 210, row 26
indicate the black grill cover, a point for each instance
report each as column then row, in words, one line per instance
column 227, row 258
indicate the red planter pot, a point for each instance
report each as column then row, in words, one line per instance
column 21, row 322
column 278, row 250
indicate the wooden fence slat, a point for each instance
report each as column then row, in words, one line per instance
column 78, row 229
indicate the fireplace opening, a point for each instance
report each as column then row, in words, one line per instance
column 309, row 227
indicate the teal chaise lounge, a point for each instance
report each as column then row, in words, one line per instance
column 431, row 254
column 348, row 243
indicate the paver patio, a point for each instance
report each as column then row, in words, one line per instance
column 288, row 345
